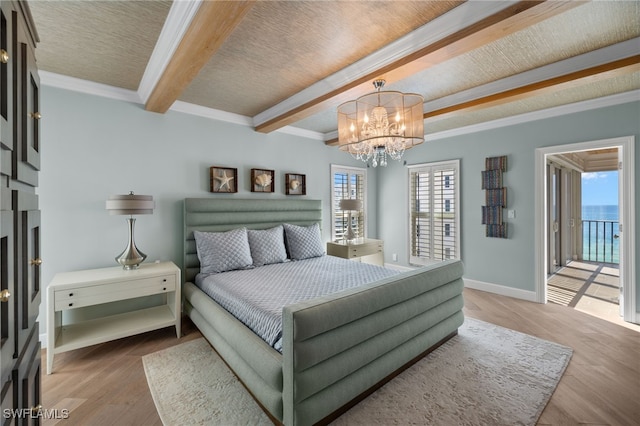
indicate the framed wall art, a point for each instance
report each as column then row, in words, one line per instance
column 223, row 179
column 262, row 180
column 295, row 184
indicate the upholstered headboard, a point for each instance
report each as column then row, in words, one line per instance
column 215, row 215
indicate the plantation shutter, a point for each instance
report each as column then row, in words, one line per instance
column 434, row 218
column 347, row 182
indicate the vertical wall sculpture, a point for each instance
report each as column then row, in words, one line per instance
column 496, row 197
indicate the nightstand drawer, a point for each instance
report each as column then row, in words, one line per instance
column 365, row 249
column 111, row 292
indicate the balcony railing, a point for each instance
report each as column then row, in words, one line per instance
column 600, row 241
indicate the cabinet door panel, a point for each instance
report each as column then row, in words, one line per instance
column 6, row 79
column 31, row 84
column 30, row 266
column 7, row 280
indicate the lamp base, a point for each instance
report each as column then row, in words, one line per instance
column 131, row 257
column 349, row 235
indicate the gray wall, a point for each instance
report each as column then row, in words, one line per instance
column 93, row 147
column 506, row 262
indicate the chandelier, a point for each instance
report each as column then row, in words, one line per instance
column 381, row 124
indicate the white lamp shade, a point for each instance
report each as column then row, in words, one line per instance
column 348, row 204
column 130, row 204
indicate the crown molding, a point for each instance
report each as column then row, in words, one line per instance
column 214, row 114
column 304, row 133
column 591, row 59
column 606, row 101
column 88, row 87
column 106, row 91
column 103, row 90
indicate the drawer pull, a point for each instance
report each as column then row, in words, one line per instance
column 4, row 56
column 70, row 294
column 5, row 295
column 70, row 304
column 35, row 262
column 164, row 288
column 164, row 280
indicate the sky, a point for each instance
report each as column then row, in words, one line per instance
column 600, row 188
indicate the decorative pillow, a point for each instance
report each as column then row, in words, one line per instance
column 303, row 242
column 267, row 246
column 223, row 251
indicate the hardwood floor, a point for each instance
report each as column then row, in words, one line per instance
column 106, row 385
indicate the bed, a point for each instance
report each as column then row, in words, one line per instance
column 336, row 349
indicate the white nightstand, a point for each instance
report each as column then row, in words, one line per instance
column 82, row 289
column 366, row 250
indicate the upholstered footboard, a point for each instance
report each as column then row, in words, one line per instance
column 258, row 366
column 339, row 346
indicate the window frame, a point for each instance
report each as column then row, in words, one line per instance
column 350, row 171
column 448, row 184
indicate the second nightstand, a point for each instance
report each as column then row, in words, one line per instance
column 366, row 250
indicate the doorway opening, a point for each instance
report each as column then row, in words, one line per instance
column 583, row 258
column 583, row 234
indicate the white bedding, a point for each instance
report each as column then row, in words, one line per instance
column 256, row 296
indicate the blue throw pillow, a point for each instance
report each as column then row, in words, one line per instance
column 303, row 242
column 267, row 246
column 223, row 251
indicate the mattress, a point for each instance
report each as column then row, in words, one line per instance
column 256, row 296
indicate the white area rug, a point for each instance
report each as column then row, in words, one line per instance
column 485, row 375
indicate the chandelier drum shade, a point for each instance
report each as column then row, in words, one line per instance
column 130, row 204
column 381, row 124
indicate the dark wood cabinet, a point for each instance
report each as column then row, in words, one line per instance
column 20, row 287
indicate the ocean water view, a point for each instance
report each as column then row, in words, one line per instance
column 600, row 227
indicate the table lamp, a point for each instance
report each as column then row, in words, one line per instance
column 130, row 204
column 350, row 205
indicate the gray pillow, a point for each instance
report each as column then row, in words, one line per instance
column 223, row 251
column 267, row 246
column 303, row 242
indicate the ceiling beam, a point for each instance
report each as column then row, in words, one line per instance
column 509, row 20
column 605, row 63
column 211, row 26
column 584, row 76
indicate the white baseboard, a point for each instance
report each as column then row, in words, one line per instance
column 500, row 289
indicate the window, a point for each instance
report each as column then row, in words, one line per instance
column 347, row 182
column 434, row 217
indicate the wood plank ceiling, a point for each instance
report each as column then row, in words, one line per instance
column 291, row 63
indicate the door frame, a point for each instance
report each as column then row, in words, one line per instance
column 627, row 217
